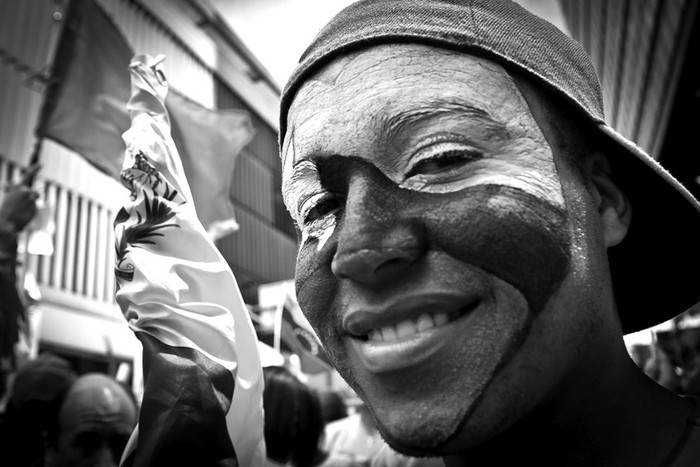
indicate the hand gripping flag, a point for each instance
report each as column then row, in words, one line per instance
column 202, row 402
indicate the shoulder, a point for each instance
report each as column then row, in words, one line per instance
column 343, row 424
column 337, row 429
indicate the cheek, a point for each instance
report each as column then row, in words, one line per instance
column 519, row 238
column 317, row 294
column 511, row 234
column 316, row 287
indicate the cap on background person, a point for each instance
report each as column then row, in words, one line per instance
column 43, row 379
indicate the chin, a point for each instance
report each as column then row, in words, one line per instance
column 419, row 433
column 415, row 444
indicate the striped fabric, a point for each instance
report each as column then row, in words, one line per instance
column 202, row 402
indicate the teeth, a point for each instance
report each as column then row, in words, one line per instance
column 440, row 319
column 388, row 334
column 424, row 322
column 408, row 327
column 405, row 328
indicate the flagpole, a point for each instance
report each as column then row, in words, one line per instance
column 277, row 330
column 34, row 158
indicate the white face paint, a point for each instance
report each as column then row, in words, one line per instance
column 494, row 172
column 482, row 139
column 302, row 192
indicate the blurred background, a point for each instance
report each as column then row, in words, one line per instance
column 63, row 83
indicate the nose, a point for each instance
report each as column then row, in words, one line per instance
column 378, row 236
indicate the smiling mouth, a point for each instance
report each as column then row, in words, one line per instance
column 409, row 327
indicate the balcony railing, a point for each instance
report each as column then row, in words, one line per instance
column 79, row 272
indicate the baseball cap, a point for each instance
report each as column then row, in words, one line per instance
column 650, row 267
column 44, row 379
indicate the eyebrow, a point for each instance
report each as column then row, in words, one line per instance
column 397, row 124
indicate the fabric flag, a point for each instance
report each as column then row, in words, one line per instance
column 297, row 335
column 201, row 134
column 86, row 104
column 203, row 385
column 85, row 110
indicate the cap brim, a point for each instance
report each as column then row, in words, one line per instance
column 652, row 268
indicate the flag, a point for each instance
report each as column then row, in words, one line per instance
column 85, row 110
column 202, row 374
column 294, row 331
column 200, row 134
column 85, row 107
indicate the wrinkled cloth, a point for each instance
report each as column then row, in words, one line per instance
column 202, row 402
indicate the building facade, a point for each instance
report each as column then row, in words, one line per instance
column 646, row 54
column 71, row 281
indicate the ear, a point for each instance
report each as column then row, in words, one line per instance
column 613, row 205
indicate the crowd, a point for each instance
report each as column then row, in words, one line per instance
column 57, row 418
column 469, row 231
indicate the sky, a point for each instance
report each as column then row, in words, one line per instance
column 277, row 31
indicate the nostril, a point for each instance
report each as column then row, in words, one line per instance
column 393, row 264
column 355, row 264
column 369, row 264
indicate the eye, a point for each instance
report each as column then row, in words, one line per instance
column 442, row 162
column 321, row 207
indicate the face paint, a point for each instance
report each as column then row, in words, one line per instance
column 445, row 233
column 302, row 194
column 485, row 226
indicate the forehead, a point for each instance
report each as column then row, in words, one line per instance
column 89, row 401
column 370, row 87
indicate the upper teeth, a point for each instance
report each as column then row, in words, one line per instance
column 408, row 327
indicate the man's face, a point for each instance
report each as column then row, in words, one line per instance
column 95, row 423
column 434, row 237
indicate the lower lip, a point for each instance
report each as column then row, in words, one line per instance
column 380, row 357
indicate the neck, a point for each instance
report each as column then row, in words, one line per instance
column 616, row 417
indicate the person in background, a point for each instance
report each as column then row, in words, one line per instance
column 661, row 369
column 353, row 440
column 475, row 240
column 333, row 405
column 293, row 420
column 37, row 390
column 387, row 457
column 94, row 423
column 17, row 208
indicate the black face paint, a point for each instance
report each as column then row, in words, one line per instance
column 516, row 236
column 486, row 219
column 521, row 239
